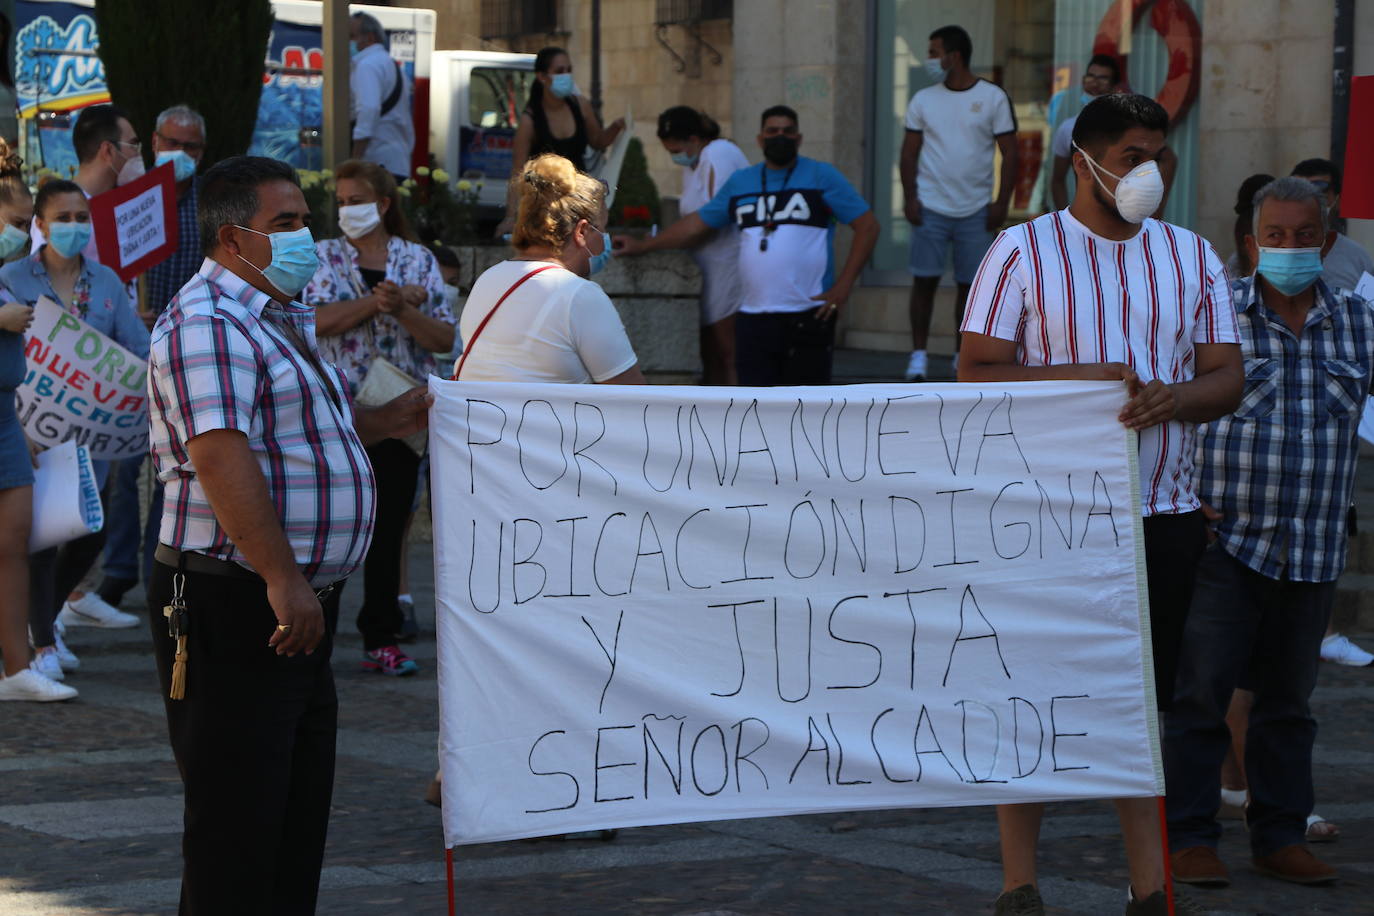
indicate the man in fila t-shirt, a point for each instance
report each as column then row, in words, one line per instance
column 1102, row 291
column 786, row 208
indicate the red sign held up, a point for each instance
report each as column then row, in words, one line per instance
column 136, row 224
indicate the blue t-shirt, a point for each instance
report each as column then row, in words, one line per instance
column 782, row 269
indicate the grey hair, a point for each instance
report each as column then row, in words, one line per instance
column 182, row 114
column 1291, row 188
column 368, row 25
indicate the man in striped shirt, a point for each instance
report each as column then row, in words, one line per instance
column 269, row 505
column 1277, row 476
column 1102, row 291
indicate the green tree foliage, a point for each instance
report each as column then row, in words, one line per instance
column 636, row 198
column 207, row 54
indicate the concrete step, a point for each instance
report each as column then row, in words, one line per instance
column 1354, row 607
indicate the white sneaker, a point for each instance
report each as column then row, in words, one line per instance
column 46, row 663
column 91, row 611
column 1339, row 649
column 65, row 657
column 916, row 367
column 30, row 685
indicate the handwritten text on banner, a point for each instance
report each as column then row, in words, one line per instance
column 662, row 605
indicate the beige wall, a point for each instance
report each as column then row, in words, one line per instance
column 1265, row 102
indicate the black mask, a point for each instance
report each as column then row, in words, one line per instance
column 780, row 149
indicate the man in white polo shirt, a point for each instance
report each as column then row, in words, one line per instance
column 1102, row 291
column 952, row 129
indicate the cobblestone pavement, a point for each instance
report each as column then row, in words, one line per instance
column 90, row 815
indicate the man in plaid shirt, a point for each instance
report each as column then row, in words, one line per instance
column 269, row 505
column 1277, row 477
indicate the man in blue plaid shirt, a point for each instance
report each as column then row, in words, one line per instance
column 1277, row 476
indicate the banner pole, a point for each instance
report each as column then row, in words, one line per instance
column 452, row 911
column 1163, row 835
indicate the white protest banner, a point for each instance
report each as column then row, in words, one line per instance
column 668, row 604
column 136, row 224
column 82, row 386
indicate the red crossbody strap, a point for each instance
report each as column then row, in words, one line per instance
column 478, row 333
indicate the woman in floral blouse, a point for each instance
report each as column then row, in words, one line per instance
column 378, row 293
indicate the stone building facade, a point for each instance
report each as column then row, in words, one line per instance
column 1264, row 98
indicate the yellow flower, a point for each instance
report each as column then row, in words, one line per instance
column 464, row 184
column 440, row 176
column 422, row 171
column 403, row 191
column 408, row 183
column 309, row 180
column 326, row 173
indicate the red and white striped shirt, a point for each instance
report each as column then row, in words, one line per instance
column 1066, row 295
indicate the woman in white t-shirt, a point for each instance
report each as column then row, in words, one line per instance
column 707, row 161
column 536, row 317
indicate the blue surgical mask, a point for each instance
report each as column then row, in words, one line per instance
column 68, row 239
column 599, row 261
column 935, row 68
column 294, row 260
column 1085, row 98
column 352, row 48
column 562, row 85
column 183, row 165
column 686, row 160
column 1290, row 270
column 11, row 240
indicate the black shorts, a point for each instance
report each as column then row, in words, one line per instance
column 783, row 348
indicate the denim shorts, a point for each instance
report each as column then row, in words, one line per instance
column 930, row 244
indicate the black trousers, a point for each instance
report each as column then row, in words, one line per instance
column 53, row 573
column 397, row 470
column 254, row 741
column 1173, row 547
column 783, row 348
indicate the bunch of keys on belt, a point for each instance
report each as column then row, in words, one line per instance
column 176, row 629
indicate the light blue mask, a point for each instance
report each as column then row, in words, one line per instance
column 68, row 239
column 11, row 240
column 686, row 160
column 1085, row 98
column 599, row 261
column 294, row 260
column 935, row 68
column 352, row 48
column 182, row 163
column 562, row 85
column 1290, row 270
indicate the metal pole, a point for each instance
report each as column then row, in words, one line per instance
column 337, row 114
column 1342, row 60
column 596, row 57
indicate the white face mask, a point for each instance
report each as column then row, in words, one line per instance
column 357, row 220
column 132, row 171
column 1138, row 192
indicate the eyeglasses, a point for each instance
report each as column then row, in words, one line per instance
column 1097, row 77
column 192, row 146
column 138, row 147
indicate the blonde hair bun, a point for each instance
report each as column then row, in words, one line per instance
column 554, row 195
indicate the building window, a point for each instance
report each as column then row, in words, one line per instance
column 511, row 18
column 680, row 12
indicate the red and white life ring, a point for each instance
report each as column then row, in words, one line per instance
column 1177, row 25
